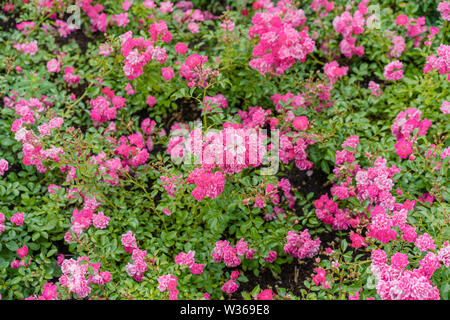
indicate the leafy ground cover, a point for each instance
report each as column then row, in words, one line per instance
column 224, row 149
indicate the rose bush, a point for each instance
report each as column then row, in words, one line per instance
column 224, row 150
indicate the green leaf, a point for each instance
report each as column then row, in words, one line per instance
column 35, row 236
column 256, row 291
column 51, row 252
column 344, row 245
column 11, row 245
column 246, row 296
column 324, row 166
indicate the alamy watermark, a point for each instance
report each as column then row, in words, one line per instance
column 374, row 19
column 74, row 21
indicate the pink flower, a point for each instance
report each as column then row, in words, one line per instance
column 50, row 292
column 444, row 9
column 160, row 30
column 18, row 218
column 79, row 274
column 185, row 258
column 399, row 260
column 129, row 242
column 300, row 123
column 30, row 48
column 327, row 210
column 127, row 4
column 228, row 25
column 22, row 252
column 393, row 71
column 440, row 62
column 403, row 148
column 378, row 257
column 82, row 218
column 167, row 211
column 196, row 268
column 395, row 284
column 434, row 31
column 266, row 294
column 320, row 278
column 398, row 47
column 69, row 77
column 444, row 255
column 194, row 27
column 207, row 184
column 354, row 297
column 401, row 20
column 425, row 242
column 167, row 73
column 241, row 247
column 171, row 184
column 53, row 66
column 250, row 254
column 230, row 286
column 272, row 256
column 409, row 233
column 301, row 245
column 151, row 101
column 219, row 100
column 63, row 28
column 334, row 72
column 181, row 48
column 106, row 276
column 150, row 4
column 55, row 123
column 120, row 19
column 100, row 221
column 166, row 7
column 15, row 264
column 168, row 282
column 129, row 89
column 139, row 265
column 194, row 70
column 407, row 121
column 9, row 7
column 3, row 166
column 60, row 259
column 137, row 53
column 375, row 88
column 357, row 240
column 429, row 264
column 230, row 255
column 173, row 295
column 105, row 50
column 280, row 44
column 184, row 5
column 445, row 108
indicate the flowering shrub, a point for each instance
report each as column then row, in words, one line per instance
column 242, row 150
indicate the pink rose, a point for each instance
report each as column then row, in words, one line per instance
column 53, row 66
column 151, row 101
column 18, row 218
column 22, row 252
column 300, row 123
column 181, row 48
